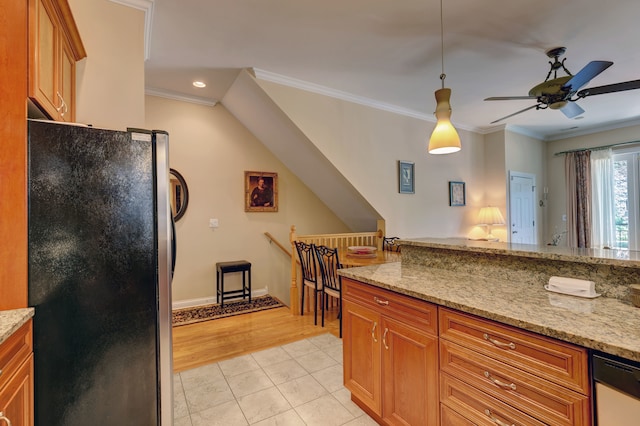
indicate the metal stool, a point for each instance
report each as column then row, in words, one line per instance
column 228, row 267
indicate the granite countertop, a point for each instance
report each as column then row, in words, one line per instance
column 606, row 324
column 12, row 320
column 623, row 258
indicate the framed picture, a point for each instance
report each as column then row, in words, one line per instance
column 406, row 178
column 260, row 192
column 456, row 194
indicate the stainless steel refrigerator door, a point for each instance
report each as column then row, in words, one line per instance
column 164, row 280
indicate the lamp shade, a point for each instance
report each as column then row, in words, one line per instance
column 444, row 139
column 490, row 216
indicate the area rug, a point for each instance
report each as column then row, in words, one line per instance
column 209, row 312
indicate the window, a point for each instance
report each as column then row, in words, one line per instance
column 626, row 166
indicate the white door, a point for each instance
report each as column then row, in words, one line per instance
column 522, row 208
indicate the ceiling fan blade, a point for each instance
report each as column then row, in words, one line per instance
column 609, row 88
column 515, row 113
column 508, row 98
column 585, row 75
column 571, row 110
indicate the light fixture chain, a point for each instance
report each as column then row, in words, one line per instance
column 442, row 75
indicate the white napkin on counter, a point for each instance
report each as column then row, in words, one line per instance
column 572, row 286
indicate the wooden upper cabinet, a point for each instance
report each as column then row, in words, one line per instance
column 54, row 48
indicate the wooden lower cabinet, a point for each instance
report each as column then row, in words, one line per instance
column 410, row 362
column 390, row 358
column 16, row 378
column 491, row 374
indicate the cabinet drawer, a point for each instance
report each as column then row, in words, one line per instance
column 14, row 351
column 418, row 313
column 451, row 418
column 478, row 407
column 553, row 360
column 544, row 400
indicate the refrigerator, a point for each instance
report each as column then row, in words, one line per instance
column 100, row 266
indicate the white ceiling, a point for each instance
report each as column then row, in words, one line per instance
column 387, row 53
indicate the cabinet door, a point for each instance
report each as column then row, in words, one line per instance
column 44, row 54
column 361, row 348
column 410, row 375
column 67, row 82
column 16, row 398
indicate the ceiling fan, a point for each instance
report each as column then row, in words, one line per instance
column 562, row 92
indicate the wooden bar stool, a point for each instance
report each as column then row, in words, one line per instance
column 228, row 267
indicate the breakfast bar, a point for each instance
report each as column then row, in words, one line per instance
column 470, row 327
column 434, row 270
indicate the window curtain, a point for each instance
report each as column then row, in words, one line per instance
column 577, row 167
column 603, row 231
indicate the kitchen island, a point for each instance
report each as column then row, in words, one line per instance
column 468, row 276
column 485, row 327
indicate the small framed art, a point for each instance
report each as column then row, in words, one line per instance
column 406, row 178
column 456, row 194
column 260, row 192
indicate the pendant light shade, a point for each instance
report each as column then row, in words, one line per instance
column 444, row 139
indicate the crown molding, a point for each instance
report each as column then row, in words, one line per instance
column 147, row 7
column 161, row 93
column 611, row 126
column 338, row 94
column 349, row 97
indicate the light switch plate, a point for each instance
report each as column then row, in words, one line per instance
column 213, row 223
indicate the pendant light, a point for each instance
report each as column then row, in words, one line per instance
column 444, row 139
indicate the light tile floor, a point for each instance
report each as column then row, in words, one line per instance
column 296, row 384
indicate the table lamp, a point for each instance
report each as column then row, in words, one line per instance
column 490, row 216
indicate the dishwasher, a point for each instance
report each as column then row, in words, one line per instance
column 616, row 390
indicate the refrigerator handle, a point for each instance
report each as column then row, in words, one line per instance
column 174, row 245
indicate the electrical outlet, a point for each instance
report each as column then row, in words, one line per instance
column 213, row 223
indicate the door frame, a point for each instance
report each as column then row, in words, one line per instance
column 532, row 176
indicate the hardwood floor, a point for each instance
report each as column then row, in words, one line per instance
column 212, row 341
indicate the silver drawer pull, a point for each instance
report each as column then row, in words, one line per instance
column 381, row 302
column 373, row 332
column 497, row 382
column 509, row 345
column 2, row 417
column 384, row 338
column 496, row 420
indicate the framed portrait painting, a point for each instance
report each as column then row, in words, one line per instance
column 456, row 194
column 260, row 192
column 406, row 178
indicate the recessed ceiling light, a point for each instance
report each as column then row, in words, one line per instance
column 199, row 84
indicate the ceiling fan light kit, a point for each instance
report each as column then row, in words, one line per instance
column 561, row 93
column 444, row 138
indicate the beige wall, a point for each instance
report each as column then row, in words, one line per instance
column 495, row 172
column 365, row 145
column 110, row 80
column 211, row 149
column 555, row 169
column 525, row 154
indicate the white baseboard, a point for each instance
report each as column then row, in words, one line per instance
column 191, row 303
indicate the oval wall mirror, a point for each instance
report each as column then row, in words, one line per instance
column 178, row 194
